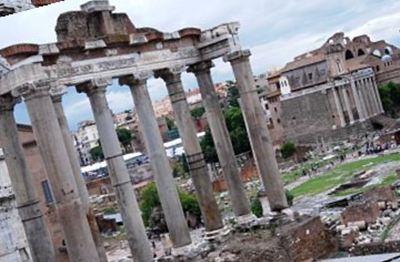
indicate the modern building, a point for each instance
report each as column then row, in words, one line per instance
column 86, row 138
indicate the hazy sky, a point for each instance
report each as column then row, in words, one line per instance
column 274, row 32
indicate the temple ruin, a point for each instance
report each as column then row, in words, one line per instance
column 95, row 46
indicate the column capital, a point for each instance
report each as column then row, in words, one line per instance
column 237, row 55
column 57, row 93
column 170, row 75
column 33, row 90
column 201, row 67
column 94, row 86
column 135, row 79
column 7, row 102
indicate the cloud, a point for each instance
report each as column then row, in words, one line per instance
column 274, row 32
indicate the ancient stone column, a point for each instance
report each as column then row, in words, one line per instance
column 222, row 141
column 376, row 91
column 347, row 103
column 358, row 87
column 372, row 94
column 194, row 155
column 172, row 208
column 38, row 236
column 69, row 207
column 120, row 179
column 338, row 107
column 81, row 184
column 258, row 131
column 361, row 113
column 364, row 94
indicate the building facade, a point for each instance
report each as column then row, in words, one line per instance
column 334, row 87
column 13, row 242
column 86, row 138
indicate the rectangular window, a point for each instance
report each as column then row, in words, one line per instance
column 47, row 192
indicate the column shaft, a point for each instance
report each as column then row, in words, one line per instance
column 72, row 217
column 362, row 100
column 338, row 107
column 347, row 104
column 378, row 96
column 83, row 193
column 166, row 188
column 258, row 130
column 221, row 138
column 364, row 93
column 121, row 181
column 361, row 114
column 194, row 155
column 38, row 236
column 374, row 99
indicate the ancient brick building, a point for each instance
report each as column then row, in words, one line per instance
column 43, row 189
column 332, row 92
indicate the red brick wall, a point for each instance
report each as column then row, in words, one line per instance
column 44, row 2
column 38, row 172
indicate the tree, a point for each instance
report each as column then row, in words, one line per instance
column 233, row 94
column 97, row 153
column 237, row 130
column 125, row 138
column 170, row 123
column 288, row 149
column 150, row 200
column 208, row 148
column 390, row 96
column 197, row 112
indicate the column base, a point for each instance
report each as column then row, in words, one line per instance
column 217, row 235
column 182, row 251
column 246, row 219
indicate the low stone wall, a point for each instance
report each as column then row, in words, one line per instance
column 330, row 135
column 376, row 248
column 309, row 240
column 368, row 212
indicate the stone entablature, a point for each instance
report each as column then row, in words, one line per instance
column 125, row 50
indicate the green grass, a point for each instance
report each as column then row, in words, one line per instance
column 389, row 180
column 290, row 177
column 341, row 174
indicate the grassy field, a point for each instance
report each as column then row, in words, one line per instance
column 342, row 174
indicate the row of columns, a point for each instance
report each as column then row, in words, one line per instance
column 366, row 98
column 62, row 165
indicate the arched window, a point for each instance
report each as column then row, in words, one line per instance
column 377, row 53
column 349, row 55
column 360, row 52
column 388, row 50
column 378, row 68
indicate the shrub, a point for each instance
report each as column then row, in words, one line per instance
column 149, row 200
column 256, row 207
column 289, row 197
column 288, row 149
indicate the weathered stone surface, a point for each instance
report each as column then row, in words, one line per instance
column 385, row 194
column 368, row 212
column 310, row 240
